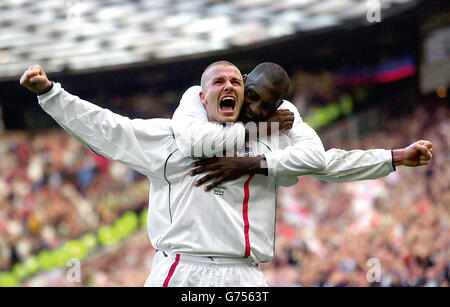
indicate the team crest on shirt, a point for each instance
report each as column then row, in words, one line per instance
column 243, row 152
column 246, row 152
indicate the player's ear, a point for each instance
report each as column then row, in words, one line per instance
column 244, row 77
column 203, row 98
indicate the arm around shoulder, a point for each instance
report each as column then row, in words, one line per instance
column 196, row 136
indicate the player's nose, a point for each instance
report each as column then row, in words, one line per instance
column 228, row 87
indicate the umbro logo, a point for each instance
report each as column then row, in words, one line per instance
column 219, row 190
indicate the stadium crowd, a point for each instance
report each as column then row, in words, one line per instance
column 126, row 264
column 53, row 189
column 326, row 232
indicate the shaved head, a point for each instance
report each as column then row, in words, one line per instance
column 222, row 91
column 275, row 74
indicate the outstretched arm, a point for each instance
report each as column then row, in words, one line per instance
column 342, row 166
column 353, row 165
column 136, row 143
column 345, row 166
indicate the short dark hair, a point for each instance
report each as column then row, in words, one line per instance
column 275, row 74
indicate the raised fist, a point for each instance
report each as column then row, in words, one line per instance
column 417, row 154
column 35, row 79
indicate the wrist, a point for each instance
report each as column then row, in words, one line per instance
column 398, row 156
column 47, row 89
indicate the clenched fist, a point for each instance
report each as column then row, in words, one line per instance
column 284, row 117
column 417, row 154
column 35, row 79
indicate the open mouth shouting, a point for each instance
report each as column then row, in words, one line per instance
column 227, row 105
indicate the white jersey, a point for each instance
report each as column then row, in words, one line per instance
column 234, row 220
column 301, row 154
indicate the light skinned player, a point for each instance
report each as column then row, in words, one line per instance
column 204, row 239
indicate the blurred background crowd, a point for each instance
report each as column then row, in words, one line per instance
column 53, row 189
column 359, row 85
column 327, row 232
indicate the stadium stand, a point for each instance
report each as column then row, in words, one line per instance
column 80, row 35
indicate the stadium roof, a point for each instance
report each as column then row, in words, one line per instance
column 80, row 35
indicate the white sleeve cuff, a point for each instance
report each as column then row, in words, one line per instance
column 388, row 157
column 56, row 89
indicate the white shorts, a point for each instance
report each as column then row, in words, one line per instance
column 183, row 270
